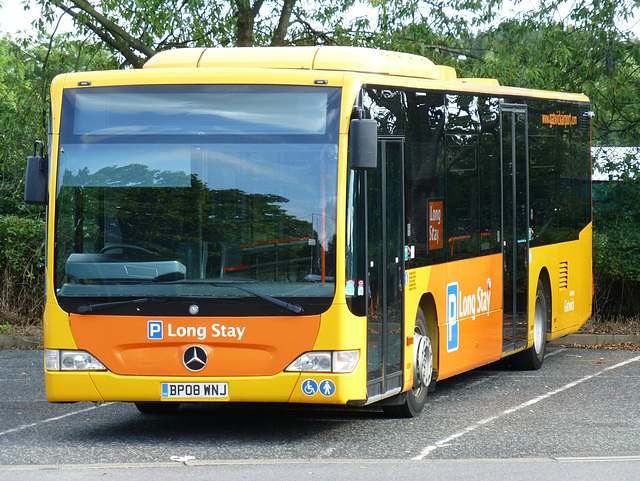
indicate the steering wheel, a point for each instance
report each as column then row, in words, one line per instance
column 124, row 247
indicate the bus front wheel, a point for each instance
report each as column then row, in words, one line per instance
column 415, row 399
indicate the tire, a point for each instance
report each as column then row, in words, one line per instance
column 413, row 401
column 532, row 358
column 157, row 407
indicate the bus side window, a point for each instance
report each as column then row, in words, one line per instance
column 425, row 118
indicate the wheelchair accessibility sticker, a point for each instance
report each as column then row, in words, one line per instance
column 309, row 387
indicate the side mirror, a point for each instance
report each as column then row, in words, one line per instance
column 37, row 178
column 363, row 144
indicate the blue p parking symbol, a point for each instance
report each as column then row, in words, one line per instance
column 154, row 329
column 453, row 327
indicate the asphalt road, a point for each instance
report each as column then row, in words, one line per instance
column 578, row 416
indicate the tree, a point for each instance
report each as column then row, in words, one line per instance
column 583, row 51
column 137, row 30
column 26, row 70
column 616, row 240
column 437, row 29
column 559, row 45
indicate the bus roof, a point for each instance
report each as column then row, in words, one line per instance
column 347, row 59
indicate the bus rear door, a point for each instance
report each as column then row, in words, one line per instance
column 515, row 225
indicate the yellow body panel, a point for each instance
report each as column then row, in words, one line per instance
column 106, row 386
column 57, row 331
column 303, row 58
column 571, row 283
column 70, row 387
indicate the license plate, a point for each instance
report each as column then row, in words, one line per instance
column 199, row 390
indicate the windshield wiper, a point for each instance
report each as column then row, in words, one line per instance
column 239, row 285
column 297, row 309
column 87, row 308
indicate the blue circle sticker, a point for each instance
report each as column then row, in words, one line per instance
column 309, row 387
column 327, row 388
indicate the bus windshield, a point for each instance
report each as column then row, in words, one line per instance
column 162, row 186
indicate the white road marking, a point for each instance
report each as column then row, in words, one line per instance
column 427, row 450
column 57, row 418
column 552, row 353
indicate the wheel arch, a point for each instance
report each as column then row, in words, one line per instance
column 428, row 305
column 544, row 277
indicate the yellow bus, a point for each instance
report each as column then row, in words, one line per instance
column 325, row 225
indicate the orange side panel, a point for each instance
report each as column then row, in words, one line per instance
column 477, row 338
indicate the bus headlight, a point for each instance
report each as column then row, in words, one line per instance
column 66, row 360
column 325, row 361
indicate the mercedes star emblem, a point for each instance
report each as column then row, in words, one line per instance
column 194, row 358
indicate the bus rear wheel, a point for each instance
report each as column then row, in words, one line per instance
column 532, row 358
column 413, row 401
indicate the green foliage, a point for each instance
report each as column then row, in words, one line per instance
column 616, row 241
column 137, row 29
column 26, row 70
column 22, row 270
column 584, row 52
column 21, row 121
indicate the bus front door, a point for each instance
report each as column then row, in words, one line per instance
column 385, row 248
column 515, row 225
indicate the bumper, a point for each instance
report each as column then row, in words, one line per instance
column 316, row 388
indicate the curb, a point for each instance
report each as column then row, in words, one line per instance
column 595, row 339
column 16, row 342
